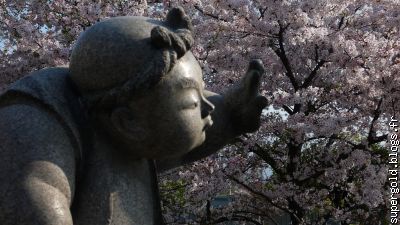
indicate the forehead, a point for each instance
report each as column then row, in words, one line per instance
column 187, row 71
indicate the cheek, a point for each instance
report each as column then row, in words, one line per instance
column 176, row 132
column 190, row 129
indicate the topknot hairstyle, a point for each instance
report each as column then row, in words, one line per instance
column 120, row 57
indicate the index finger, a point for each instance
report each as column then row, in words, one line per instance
column 253, row 78
column 256, row 64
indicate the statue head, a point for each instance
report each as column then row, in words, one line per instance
column 142, row 85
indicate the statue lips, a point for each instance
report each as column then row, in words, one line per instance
column 208, row 123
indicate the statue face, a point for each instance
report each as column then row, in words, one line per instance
column 178, row 113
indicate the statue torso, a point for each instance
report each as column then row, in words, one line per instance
column 115, row 190
column 109, row 190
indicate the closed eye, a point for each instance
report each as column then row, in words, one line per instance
column 191, row 105
column 195, row 104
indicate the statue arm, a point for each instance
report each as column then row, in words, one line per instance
column 237, row 111
column 37, row 168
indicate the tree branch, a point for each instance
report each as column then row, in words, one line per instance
column 311, row 76
column 257, row 214
column 281, row 53
column 372, row 138
column 209, row 14
column 257, row 193
column 262, row 12
column 235, row 218
column 267, row 158
column 288, row 109
column 294, row 156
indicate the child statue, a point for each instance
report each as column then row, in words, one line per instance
column 82, row 145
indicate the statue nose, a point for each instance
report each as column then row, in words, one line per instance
column 206, row 108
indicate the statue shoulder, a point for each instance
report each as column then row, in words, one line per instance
column 28, row 129
column 45, row 85
column 52, row 97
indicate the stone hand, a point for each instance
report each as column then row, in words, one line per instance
column 244, row 100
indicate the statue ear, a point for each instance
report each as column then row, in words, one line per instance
column 127, row 124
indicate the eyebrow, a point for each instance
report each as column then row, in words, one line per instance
column 185, row 83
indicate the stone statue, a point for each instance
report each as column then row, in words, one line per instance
column 83, row 144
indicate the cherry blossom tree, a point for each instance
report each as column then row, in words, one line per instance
column 332, row 81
